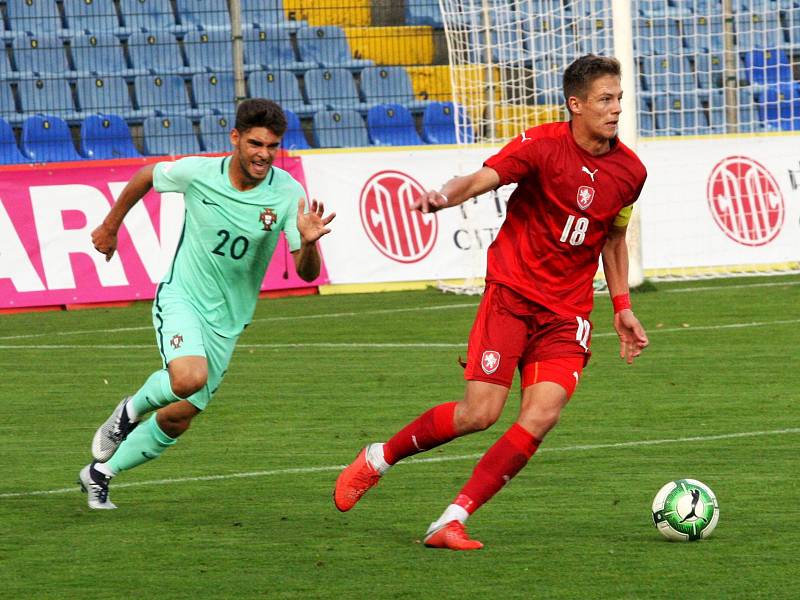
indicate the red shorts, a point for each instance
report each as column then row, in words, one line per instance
column 513, row 332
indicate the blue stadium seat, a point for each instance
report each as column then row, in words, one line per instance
column 672, row 73
column 334, row 88
column 209, row 50
column 100, row 54
column 704, row 33
column 392, row 125
column 680, row 114
column 105, row 137
column 214, row 92
column 149, row 15
column 327, row 46
column 40, row 56
column 271, row 48
column 294, row 138
column 96, row 16
column 169, row 136
column 710, row 70
column 46, row 138
column 35, row 17
column 758, row 30
column 647, row 123
column 8, row 106
column 108, row 94
column 438, row 124
column 267, row 13
column 389, row 85
column 546, row 35
column 339, row 129
column 778, row 106
column 208, row 15
column 215, row 133
column 6, row 72
column 9, row 152
column 47, row 96
column 547, row 82
column 164, row 95
column 748, row 117
column 594, row 35
column 767, row 66
column 658, row 36
column 282, row 87
column 659, row 8
column 158, row 52
column 424, row 12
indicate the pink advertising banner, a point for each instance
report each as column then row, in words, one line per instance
column 47, row 214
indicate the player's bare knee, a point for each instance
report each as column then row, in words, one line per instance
column 477, row 420
column 186, row 383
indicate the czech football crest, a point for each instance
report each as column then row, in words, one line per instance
column 490, row 361
column 268, row 218
column 585, row 196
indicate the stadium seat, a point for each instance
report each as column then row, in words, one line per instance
column 438, row 124
column 209, row 50
column 339, row 129
column 207, row 15
column 214, row 92
column 8, row 106
column 282, row 87
column 169, row 136
column 658, row 36
column 547, row 82
column 546, row 35
column 389, row 85
column 334, row 88
column 215, row 133
column 96, row 16
column 164, row 95
column 767, row 66
column 327, row 46
column 392, row 125
column 758, row 30
column 704, row 33
column 680, row 114
column 294, row 138
column 105, row 137
column 710, row 70
column 46, row 138
column 158, row 52
column 431, row 82
column 40, row 56
column 407, row 45
column 9, row 152
column 47, row 96
column 6, row 72
column 329, row 12
column 424, row 12
column 672, row 73
column 271, row 48
column 594, row 36
column 108, row 94
column 34, row 17
column 267, row 13
column 100, row 54
column 149, row 15
column 778, row 106
column 748, row 118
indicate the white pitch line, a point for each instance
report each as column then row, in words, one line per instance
column 379, row 345
column 438, row 459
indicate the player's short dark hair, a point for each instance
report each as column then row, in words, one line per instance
column 578, row 77
column 260, row 112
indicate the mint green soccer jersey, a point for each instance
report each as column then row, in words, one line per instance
column 228, row 237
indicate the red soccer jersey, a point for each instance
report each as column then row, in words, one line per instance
column 559, row 216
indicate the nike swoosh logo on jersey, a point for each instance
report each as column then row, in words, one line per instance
column 209, row 202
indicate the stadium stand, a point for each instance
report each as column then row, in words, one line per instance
column 438, row 124
column 407, row 45
column 9, row 152
column 100, row 54
column 767, row 66
column 381, row 85
column 158, row 52
column 8, row 105
column 267, row 13
column 46, row 138
column 39, row 55
column 423, row 12
column 391, row 125
column 208, row 50
column 339, row 129
column 330, row 12
column 214, row 92
column 206, row 15
column 149, row 15
column 107, row 95
column 169, row 136
column 658, row 36
column 6, row 72
column 703, row 34
column 47, row 96
column 327, row 46
column 334, row 88
column 93, row 17
column 164, row 95
column 271, row 48
column 34, row 17
column 215, row 133
column 294, row 138
column 106, row 137
column 284, row 88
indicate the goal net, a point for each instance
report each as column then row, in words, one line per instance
column 695, row 68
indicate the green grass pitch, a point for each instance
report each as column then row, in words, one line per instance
column 241, row 506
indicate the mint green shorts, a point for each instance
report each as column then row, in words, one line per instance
column 181, row 331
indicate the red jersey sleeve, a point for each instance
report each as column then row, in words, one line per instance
column 516, row 161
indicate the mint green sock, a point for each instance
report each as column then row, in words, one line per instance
column 146, row 442
column 155, row 393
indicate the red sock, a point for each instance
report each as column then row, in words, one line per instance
column 497, row 467
column 432, row 428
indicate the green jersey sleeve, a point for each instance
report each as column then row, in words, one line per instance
column 178, row 175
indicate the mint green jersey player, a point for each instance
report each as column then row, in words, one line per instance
column 236, row 208
column 228, row 237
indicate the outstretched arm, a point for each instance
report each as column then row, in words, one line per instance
column 458, row 190
column 104, row 237
column 632, row 336
column 312, row 225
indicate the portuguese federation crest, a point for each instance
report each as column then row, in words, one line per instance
column 268, row 218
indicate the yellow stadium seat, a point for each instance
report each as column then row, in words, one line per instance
column 330, row 12
column 431, row 82
column 511, row 119
column 412, row 45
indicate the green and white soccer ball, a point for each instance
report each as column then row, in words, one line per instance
column 685, row 510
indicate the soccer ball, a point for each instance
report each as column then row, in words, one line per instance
column 685, row 510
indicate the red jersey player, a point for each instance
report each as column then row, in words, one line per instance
column 576, row 184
